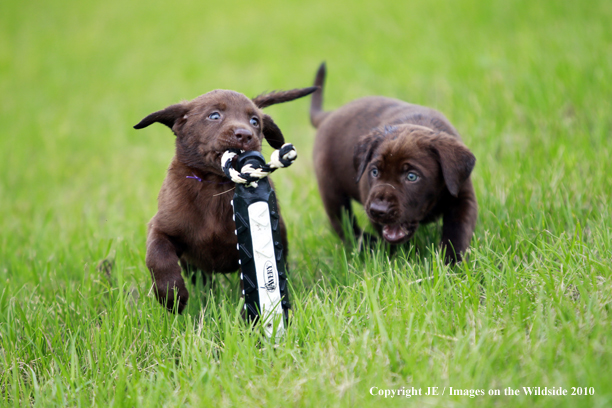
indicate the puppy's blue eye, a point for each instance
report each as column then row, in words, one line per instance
column 214, row 116
column 374, row 172
column 412, row 177
column 255, row 122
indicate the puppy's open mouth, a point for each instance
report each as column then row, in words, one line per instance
column 399, row 233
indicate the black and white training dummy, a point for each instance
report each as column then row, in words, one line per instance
column 262, row 259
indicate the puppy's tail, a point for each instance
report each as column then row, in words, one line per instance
column 316, row 105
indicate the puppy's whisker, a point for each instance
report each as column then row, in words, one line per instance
column 384, row 184
column 226, row 191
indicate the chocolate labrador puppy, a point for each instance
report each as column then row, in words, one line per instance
column 405, row 163
column 193, row 226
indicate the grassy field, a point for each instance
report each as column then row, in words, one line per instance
column 528, row 85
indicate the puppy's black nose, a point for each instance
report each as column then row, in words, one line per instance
column 243, row 135
column 379, row 209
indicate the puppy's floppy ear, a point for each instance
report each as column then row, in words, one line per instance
column 272, row 133
column 363, row 152
column 273, row 98
column 456, row 161
column 166, row 116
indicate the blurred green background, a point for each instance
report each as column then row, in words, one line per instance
column 526, row 83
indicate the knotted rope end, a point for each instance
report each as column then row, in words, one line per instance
column 283, row 157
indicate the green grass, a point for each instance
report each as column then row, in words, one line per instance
column 527, row 84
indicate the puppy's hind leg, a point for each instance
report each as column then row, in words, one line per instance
column 163, row 263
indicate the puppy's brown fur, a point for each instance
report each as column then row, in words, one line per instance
column 193, row 225
column 405, row 163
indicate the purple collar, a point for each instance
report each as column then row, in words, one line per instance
column 193, row 176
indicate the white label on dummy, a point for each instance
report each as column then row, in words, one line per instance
column 265, row 267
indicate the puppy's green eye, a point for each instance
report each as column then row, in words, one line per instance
column 255, row 122
column 374, row 172
column 214, row 116
column 412, row 177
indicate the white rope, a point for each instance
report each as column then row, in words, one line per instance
column 283, row 157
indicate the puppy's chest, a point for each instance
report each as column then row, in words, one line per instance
column 214, row 222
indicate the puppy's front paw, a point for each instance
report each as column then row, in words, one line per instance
column 167, row 292
column 450, row 256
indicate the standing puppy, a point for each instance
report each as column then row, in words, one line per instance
column 405, row 163
column 194, row 225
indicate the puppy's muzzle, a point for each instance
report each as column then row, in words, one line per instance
column 243, row 135
column 382, row 211
column 243, row 138
column 379, row 210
